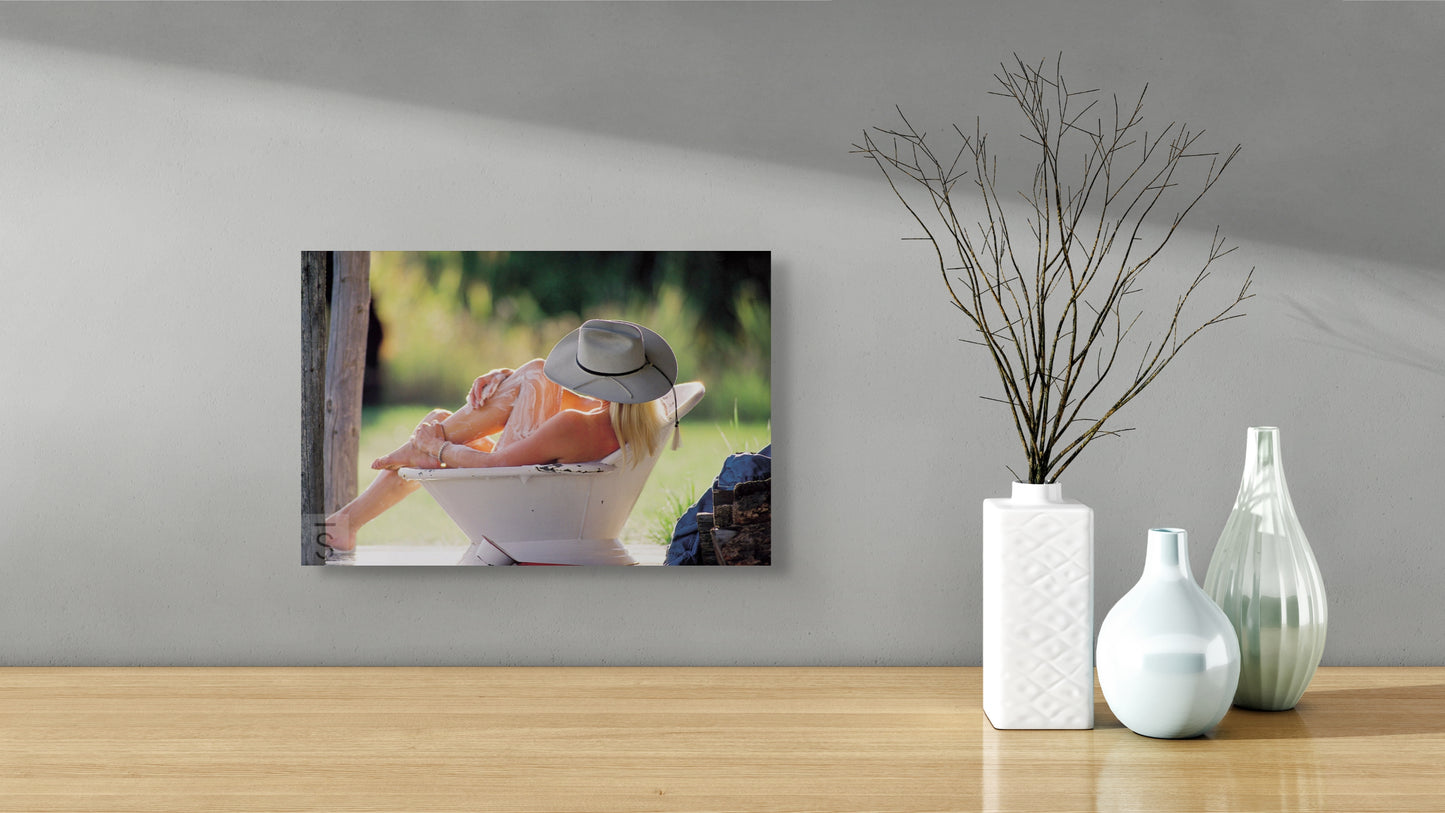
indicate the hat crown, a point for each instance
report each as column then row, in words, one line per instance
column 610, row 348
column 613, row 361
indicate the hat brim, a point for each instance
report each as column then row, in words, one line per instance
column 653, row 381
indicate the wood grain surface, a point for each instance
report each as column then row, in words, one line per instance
column 679, row 739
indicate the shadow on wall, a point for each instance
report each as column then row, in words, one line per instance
column 1402, row 319
column 726, row 78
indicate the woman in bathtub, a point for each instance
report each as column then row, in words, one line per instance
column 598, row 391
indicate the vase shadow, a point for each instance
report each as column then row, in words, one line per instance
column 1336, row 713
column 1136, row 773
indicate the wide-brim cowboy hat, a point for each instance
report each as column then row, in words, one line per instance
column 613, row 361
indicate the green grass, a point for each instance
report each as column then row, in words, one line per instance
column 682, row 475
column 679, row 479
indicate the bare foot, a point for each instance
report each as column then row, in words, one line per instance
column 405, row 456
column 339, row 533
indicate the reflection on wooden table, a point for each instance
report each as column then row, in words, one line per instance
column 1360, row 739
column 680, row 739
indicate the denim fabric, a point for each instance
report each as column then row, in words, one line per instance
column 738, row 468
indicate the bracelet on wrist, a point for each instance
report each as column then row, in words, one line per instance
column 441, row 450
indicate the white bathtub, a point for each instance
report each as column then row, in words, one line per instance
column 568, row 514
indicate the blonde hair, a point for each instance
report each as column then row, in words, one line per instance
column 638, row 428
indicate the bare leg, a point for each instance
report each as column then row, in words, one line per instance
column 463, row 426
column 408, row 455
column 386, row 490
column 466, row 425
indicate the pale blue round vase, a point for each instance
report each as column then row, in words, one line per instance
column 1168, row 657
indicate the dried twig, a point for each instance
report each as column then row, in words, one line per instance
column 1049, row 304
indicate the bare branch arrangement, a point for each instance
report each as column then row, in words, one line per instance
column 1051, row 306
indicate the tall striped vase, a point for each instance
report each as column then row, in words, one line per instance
column 1265, row 578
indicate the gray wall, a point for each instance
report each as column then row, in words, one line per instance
column 162, row 166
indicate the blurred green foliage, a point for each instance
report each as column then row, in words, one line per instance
column 448, row 317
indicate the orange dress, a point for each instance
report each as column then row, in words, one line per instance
column 533, row 399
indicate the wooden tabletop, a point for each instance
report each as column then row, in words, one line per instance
column 641, row 739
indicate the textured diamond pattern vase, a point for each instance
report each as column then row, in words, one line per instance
column 1038, row 610
column 1264, row 576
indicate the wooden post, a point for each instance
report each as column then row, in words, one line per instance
column 345, row 368
column 315, row 273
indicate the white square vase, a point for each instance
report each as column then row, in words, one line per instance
column 1038, row 610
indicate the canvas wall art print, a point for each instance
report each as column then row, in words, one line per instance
column 526, row 408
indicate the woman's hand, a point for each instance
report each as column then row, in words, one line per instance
column 429, row 438
column 484, row 386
